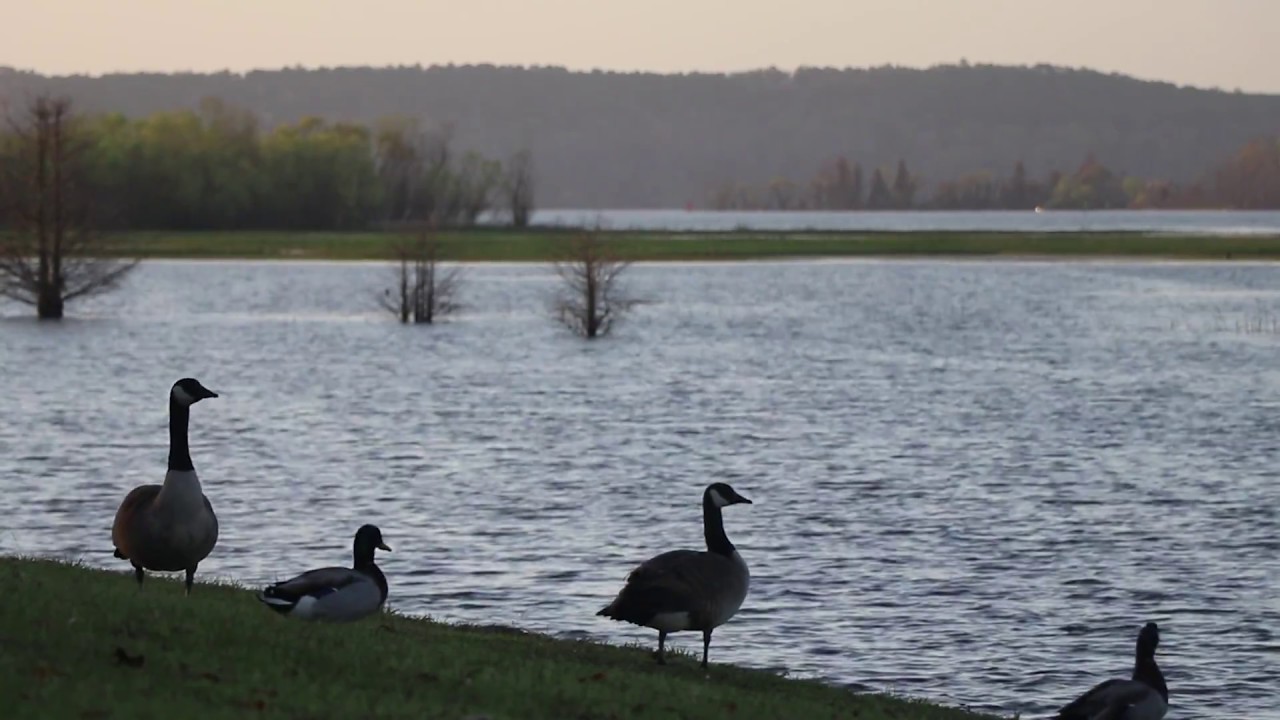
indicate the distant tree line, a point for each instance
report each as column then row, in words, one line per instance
column 218, row 168
column 1248, row 180
column 643, row 140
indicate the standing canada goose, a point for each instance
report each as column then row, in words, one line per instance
column 687, row 589
column 334, row 593
column 172, row 526
column 1144, row 697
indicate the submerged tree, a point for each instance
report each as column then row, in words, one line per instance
column 904, row 187
column 518, row 188
column 591, row 300
column 879, row 198
column 424, row 290
column 51, row 250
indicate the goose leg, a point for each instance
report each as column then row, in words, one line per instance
column 662, row 644
column 191, row 576
column 138, row 574
column 706, row 647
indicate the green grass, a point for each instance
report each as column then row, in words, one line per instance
column 544, row 245
column 81, row 643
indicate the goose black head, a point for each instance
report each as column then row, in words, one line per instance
column 1148, row 639
column 721, row 495
column 189, row 391
column 368, row 539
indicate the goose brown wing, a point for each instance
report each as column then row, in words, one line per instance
column 675, row 581
column 126, row 527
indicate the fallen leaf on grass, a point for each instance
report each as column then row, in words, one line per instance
column 596, row 677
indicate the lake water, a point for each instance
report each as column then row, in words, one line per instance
column 973, row 481
column 1200, row 222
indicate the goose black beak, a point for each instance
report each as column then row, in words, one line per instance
column 741, row 500
column 384, row 546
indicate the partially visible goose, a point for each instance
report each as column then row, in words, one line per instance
column 169, row 527
column 687, row 589
column 1144, row 697
column 335, row 594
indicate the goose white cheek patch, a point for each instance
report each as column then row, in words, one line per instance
column 717, row 499
column 182, row 396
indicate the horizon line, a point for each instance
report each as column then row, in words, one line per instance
column 790, row 71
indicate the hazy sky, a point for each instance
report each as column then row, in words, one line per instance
column 1226, row 43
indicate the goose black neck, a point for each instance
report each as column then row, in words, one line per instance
column 713, row 528
column 1146, row 671
column 179, row 452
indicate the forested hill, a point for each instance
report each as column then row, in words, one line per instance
column 642, row 140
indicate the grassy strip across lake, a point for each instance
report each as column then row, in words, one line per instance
column 82, row 643
column 542, row 245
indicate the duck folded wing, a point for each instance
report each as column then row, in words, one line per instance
column 1107, row 701
column 317, row 583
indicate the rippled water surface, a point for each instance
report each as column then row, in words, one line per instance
column 973, row 481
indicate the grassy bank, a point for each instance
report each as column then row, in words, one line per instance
column 510, row 245
column 79, row 643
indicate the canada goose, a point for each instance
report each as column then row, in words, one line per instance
column 687, row 589
column 334, row 593
column 172, row 526
column 1144, row 697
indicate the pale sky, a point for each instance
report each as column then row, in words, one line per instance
column 1223, row 43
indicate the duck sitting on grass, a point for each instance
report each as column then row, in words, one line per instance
column 335, row 594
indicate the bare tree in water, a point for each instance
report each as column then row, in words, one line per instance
column 518, row 188
column 591, row 300
column 51, row 251
column 424, row 291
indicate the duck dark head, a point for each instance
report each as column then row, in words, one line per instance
column 368, row 539
column 1148, row 639
column 721, row 495
column 189, row 391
